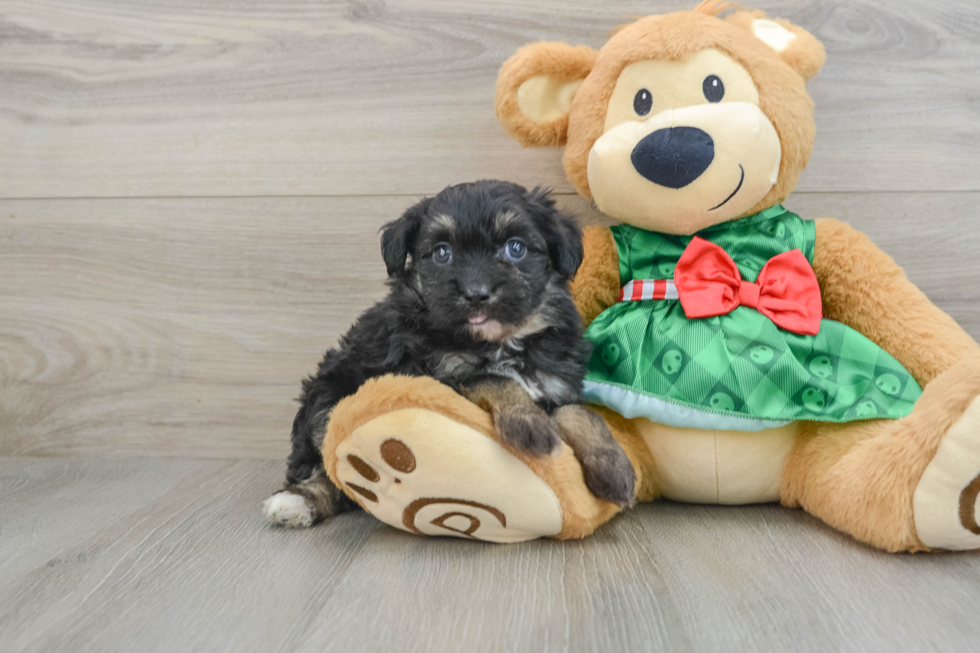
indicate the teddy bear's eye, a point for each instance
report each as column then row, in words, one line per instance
column 642, row 102
column 713, row 89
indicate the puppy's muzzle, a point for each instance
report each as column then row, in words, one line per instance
column 477, row 294
column 674, row 156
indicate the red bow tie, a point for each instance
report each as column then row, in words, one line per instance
column 709, row 283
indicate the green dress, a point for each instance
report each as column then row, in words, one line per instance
column 737, row 371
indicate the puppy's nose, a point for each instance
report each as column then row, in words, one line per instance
column 477, row 294
column 673, row 156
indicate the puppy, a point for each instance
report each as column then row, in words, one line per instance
column 479, row 300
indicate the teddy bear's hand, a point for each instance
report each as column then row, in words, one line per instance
column 596, row 284
column 865, row 289
column 527, row 429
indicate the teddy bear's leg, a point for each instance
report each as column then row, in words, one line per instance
column 907, row 484
column 903, row 485
column 422, row 458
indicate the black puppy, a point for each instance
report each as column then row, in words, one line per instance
column 479, row 300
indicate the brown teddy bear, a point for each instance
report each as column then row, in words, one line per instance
column 741, row 354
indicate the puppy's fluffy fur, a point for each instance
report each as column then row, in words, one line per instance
column 479, row 300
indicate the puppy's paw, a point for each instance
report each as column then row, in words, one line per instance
column 288, row 509
column 531, row 431
column 609, row 475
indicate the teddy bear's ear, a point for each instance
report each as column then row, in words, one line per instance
column 797, row 47
column 535, row 88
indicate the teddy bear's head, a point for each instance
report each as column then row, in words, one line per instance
column 679, row 122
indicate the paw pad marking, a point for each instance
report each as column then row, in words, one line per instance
column 408, row 517
column 399, row 457
column 944, row 504
column 364, row 469
column 439, row 477
column 474, row 523
column 364, row 492
column 968, row 506
column 397, row 454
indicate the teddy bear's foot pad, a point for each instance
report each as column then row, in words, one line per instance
column 945, row 507
column 422, row 472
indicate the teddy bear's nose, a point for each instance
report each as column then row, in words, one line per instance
column 673, row 156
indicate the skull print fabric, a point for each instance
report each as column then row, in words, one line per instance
column 736, row 371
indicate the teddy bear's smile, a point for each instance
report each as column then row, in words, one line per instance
column 741, row 180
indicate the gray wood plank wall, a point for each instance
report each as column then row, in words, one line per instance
column 190, row 192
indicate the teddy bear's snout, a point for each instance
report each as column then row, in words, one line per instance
column 673, row 156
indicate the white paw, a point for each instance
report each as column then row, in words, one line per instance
column 288, row 509
column 945, row 505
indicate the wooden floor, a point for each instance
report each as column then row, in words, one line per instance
column 190, row 194
column 171, row 555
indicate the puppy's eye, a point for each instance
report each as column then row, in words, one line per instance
column 713, row 89
column 442, row 254
column 515, row 249
column 642, row 102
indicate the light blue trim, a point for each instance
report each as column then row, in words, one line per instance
column 633, row 404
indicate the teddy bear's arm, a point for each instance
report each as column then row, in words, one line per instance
column 596, row 285
column 865, row 289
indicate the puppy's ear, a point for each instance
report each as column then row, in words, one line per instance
column 398, row 237
column 561, row 232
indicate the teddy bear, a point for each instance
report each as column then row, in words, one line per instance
column 741, row 353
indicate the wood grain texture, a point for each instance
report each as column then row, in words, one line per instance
column 182, row 327
column 169, row 555
column 101, row 98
